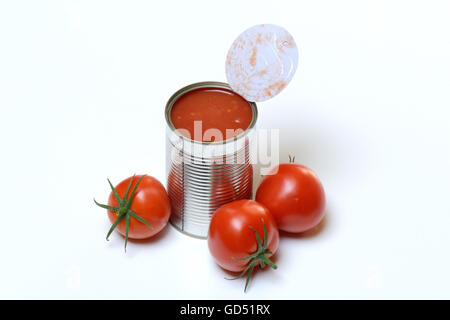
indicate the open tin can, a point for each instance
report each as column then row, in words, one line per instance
column 202, row 176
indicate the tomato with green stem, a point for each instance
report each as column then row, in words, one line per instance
column 235, row 234
column 143, row 213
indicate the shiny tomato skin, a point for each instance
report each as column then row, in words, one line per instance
column 150, row 202
column 294, row 195
column 230, row 236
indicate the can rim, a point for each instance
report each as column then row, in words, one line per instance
column 208, row 84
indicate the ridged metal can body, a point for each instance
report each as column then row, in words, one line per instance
column 202, row 176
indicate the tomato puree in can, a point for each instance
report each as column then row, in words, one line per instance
column 217, row 108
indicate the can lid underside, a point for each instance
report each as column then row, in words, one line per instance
column 261, row 62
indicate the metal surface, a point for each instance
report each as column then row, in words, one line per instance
column 202, row 176
column 261, row 62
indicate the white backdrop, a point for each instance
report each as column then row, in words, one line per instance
column 83, row 85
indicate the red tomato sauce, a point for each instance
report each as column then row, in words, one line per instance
column 216, row 108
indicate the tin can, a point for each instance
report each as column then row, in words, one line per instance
column 202, row 176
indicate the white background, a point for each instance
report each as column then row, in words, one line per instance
column 83, row 85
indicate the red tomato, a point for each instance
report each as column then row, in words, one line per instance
column 145, row 208
column 294, row 196
column 237, row 232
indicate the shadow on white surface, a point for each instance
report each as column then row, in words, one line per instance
column 136, row 246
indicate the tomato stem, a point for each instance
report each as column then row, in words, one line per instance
column 259, row 256
column 123, row 211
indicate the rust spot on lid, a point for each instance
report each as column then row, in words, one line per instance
column 259, row 38
column 253, row 56
column 277, row 86
column 262, row 72
column 229, row 60
column 288, row 43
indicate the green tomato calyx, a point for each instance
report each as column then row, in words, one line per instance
column 123, row 210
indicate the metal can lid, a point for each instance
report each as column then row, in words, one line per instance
column 261, row 62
